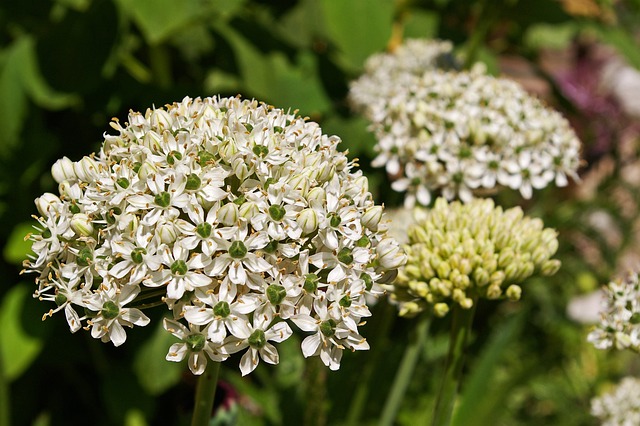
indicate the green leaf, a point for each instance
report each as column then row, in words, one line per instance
column 273, row 78
column 421, row 24
column 13, row 98
column 476, row 405
column 18, row 349
column 548, row 36
column 358, row 28
column 17, row 247
column 154, row 372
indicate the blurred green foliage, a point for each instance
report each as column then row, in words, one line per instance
column 68, row 66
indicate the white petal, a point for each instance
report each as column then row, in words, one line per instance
column 198, row 316
column 117, row 333
column 177, row 352
column 305, row 322
column 310, row 345
column 135, row 316
column 197, row 363
column 279, row 332
column 249, row 361
column 269, row 354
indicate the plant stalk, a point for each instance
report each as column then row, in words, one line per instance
column 460, row 330
column 205, row 392
column 406, row 369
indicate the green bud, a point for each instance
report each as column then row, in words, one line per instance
column 308, row 221
column 228, row 214
column 443, row 270
column 440, row 309
column 494, row 291
column 81, row 225
column 85, row 256
column 514, row 292
column 550, row 267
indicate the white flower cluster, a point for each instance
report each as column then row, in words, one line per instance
column 620, row 319
column 621, row 406
column 460, row 132
column 240, row 217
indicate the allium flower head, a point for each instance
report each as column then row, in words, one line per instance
column 456, row 133
column 458, row 253
column 620, row 318
column 239, row 217
column 621, row 406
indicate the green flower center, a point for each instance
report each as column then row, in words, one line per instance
column 112, row 213
column 85, row 256
column 173, row 156
column 222, row 309
column 162, row 199
column 204, row 157
column 237, row 250
column 345, row 256
column 260, row 150
column 276, row 294
column 257, row 340
column 363, row 241
column 137, row 255
column 193, row 182
column 195, row 342
column 123, row 182
column 334, row 220
column 74, row 208
column 345, row 302
column 110, row 310
column 368, row 282
column 311, row 283
column 60, row 299
column 277, row 212
column 204, row 229
column 179, row 267
column 328, row 327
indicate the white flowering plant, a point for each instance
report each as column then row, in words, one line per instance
column 243, row 220
column 459, row 133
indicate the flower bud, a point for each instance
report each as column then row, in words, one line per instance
column 390, row 255
column 248, row 210
column 128, row 222
column 63, row 170
column 371, row 218
column 70, row 191
column 228, row 214
column 81, row 225
column 299, row 183
column 48, row 203
column 308, row 221
column 240, row 168
column 86, row 169
column 440, row 309
column 326, row 172
column 494, row 291
column 317, row 197
column 147, row 169
column 550, row 267
column 514, row 292
column 161, row 119
column 167, row 232
column 152, row 140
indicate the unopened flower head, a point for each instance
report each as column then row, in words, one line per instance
column 239, row 217
column 459, row 133
column 620, row 406
column 619, row 326
column 458, row 253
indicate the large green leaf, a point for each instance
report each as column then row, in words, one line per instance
column 17, row 247
column 18, row 349
column 272, row 78
column 13, row 98
column 358, row 28
column 154, row 372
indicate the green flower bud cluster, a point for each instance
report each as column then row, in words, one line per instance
column 459, row 252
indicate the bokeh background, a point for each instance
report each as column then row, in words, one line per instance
column 68, row 66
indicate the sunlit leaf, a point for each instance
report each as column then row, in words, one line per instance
column 17, row 247
column 13, row 98
column 154, row 372
column 358, row 28
column 17, row 347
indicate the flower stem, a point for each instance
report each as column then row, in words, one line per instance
column 379, row 345
column 316, row 393
column 4, row 397
column 460, row 330
column 205, row 392
column 405, row 372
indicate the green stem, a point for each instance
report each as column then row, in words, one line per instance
column 383, row 323
column 5, row 418
column 205, row 392
column 316, row 393
column 406, row 370
column 460, row 330
column 483, row 23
